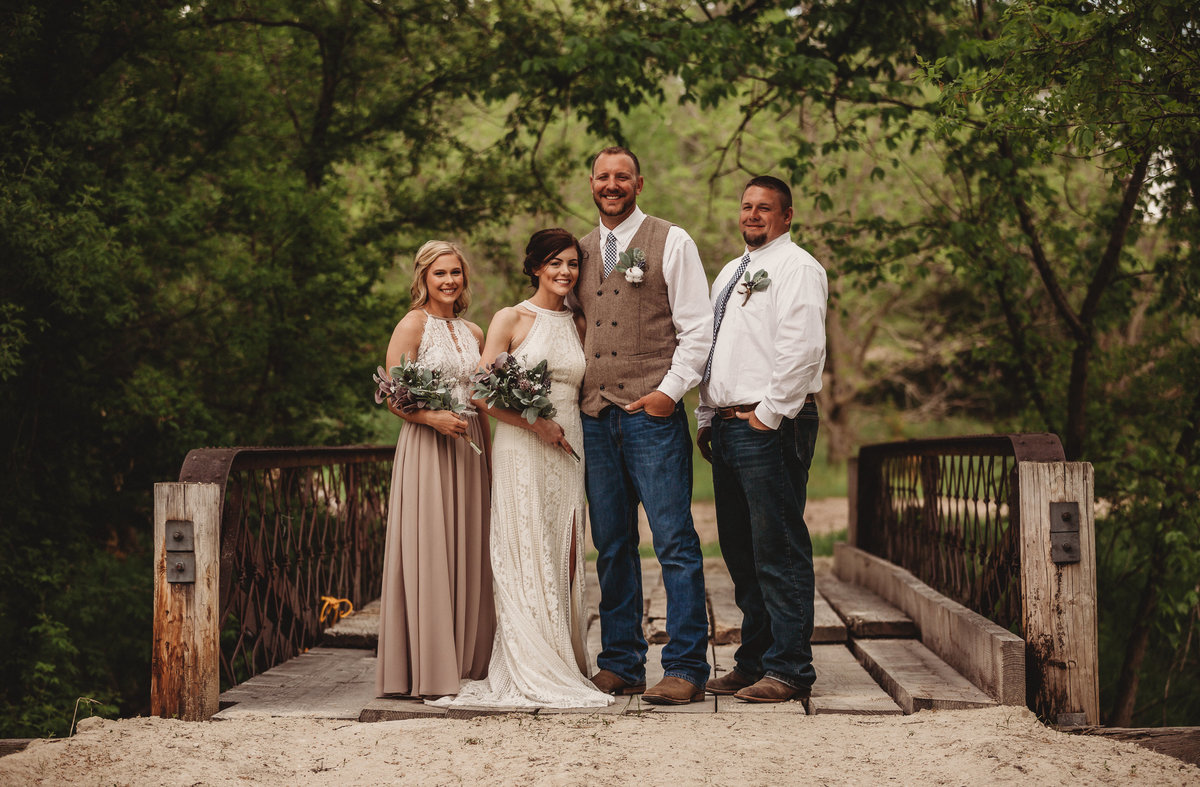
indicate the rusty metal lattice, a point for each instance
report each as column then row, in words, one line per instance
column 946, row 510
column 296, row 524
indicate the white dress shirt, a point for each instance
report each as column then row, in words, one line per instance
column 687, row 295
column 771, row 347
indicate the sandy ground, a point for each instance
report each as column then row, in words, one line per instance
column 1003, row 745
column 994, row 746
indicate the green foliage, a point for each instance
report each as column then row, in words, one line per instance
column 200, row 208
column 196, row 206
column 1048, row 162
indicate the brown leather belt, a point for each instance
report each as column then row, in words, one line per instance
column 733, row 410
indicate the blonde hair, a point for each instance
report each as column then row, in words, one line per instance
column 425, row 257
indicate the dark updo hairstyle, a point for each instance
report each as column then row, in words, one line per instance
column 544, row 246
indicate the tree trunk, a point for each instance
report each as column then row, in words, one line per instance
column 1139, row 636
column 1077, row 391
column 1139, row 639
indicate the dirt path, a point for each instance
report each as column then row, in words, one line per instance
column 994, row 746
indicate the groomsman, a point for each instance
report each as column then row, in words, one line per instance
column 644, row 297
column 758, row 426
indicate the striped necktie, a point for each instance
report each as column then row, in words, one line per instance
column 719, row 313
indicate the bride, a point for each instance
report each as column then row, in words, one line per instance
column 539, row 658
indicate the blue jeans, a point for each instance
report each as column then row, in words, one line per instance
column 634, row 457
column 759, row 481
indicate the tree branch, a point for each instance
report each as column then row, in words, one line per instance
column 1040, row 261
column 1116, row 241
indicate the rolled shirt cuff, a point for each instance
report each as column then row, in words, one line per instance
column 673, row 387
column 767, row 417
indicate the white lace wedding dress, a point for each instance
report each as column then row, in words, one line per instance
column 539, row 657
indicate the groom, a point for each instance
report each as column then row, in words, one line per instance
column 649, row 326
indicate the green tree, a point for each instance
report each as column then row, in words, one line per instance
column 197, row 203
column 1061, row 208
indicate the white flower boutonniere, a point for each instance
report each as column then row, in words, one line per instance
column 633, row 264
column 752, row 284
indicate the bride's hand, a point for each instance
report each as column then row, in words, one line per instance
column 446, row 422
column 551, row 433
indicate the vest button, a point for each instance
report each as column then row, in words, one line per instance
column 601, row 386
column 598, row 323
column 597, row 355
column 615, row 292
column 599, row 292
column 614, row 323
column 614, row 352
column 621, row 385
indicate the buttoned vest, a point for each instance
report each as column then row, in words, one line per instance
column 630, row 336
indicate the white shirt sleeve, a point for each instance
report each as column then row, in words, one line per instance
column 687, row 294
column 800, row 301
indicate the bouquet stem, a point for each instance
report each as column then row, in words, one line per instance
column 474, row 447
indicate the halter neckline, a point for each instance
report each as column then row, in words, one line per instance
column 533, row 307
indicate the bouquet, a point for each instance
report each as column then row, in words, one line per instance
column 506, row 383
column 410, row 387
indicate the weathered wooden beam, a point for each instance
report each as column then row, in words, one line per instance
column 844, row 686
column 916, row 678
column 185, row 654
column 725, row 619
column 865, row 613
column 827, row 626
column 1182, row 743
column 14, row 745
column 656, row 612
column 1058, row 590
column 989, row 656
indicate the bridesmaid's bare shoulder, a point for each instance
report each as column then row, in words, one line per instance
column 406, row 337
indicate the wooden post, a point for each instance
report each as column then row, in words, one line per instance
column 185, row 677
column 852, row 501
column 1058, row 599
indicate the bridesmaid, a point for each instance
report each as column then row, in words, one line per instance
column 437, row 617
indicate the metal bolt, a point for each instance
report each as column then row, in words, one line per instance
column 179, row 567
column 177, row 535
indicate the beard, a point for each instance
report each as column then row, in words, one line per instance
column 754, row 238
column 610, row 208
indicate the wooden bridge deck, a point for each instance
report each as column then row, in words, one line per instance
column 866, row 658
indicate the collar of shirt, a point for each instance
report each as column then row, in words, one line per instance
column 767, row 248
column 625, row 230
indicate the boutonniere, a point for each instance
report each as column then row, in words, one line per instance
column 633, row 264
column 752, row 284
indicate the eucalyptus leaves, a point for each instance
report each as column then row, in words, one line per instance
column 411, row 386
column 752, row 284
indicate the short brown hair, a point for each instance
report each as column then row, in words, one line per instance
column 773, row 184
column 616, row 150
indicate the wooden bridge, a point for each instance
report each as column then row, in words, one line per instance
column 968, row 581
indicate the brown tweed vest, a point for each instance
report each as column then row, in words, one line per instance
column 630, row 335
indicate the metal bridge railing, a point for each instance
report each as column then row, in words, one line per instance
column 247, row 543
column 947, row 510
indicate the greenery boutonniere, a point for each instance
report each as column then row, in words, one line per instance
column 633, row 264
column 752, row 284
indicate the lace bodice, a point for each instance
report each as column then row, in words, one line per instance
column 553, row 338
column 448, row 346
